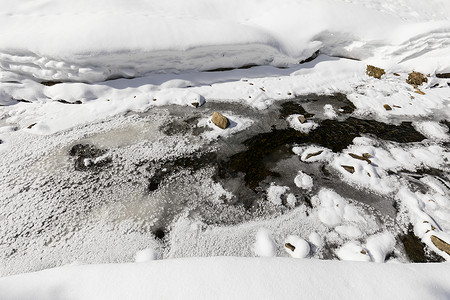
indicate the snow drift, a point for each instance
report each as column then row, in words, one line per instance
column 232, row 278
column 83, row 41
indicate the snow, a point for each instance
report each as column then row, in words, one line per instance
column 303, row 180
column 145, row 255
column 380, row 245
column 274, row 193
column 230, row 277
column 334, row 209
column 265, row 246
column 237, row 123
column 433, row 130
column 297, row 125
column 353, row 251
column 302, row 248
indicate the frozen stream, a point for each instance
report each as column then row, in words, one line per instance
column 168, row 180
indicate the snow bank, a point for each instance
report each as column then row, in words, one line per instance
column 233, row 278
column 92, row 43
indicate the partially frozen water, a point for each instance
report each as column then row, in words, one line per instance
column 101, row 192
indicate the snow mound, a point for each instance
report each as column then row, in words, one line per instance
column 265, row 246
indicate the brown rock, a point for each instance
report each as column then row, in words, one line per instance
column 31, row 126
column 387, row 107
column 302, row 119
column 195, row 104
column 290, row 246
column 440, row 244
column 363, row 252
column 419, row 92
column 313, row 154
column 415, row 79
column 396, row 74
column 366, row 155
column 356, row 156
column 396, row 106
column 349, row 169
column 220, row 120
column 375, row 72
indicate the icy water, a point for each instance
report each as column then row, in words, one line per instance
column 101, row 192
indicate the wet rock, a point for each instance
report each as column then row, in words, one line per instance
column 159, row 233
column 443, row 75
column 301, row 119
column 67, row 102
column 220, row 120
column 290, row 246
column 375, row 72
column 387, row 107
column 311, row 58
column 313, row 154
column 292, row 108
column 50, row 83
column 415, row 249
column 415, row 79
column 355, row 156
column 349, row 169
column 440, row 244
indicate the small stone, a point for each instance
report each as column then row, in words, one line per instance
column 262, row 89
column 415, row 79
column 195, row 104
column 349, row 169
column 289, row 94
column 220, row 120
column 1, row 142
column 387, row 107
column 355, row 156
column 31, row 125
column 396, row 74
column 313, row 154
column 290, row 246
column 396, row 106
column 363, row 252
column 366, row 155
column 419, row 92
column 301, row 119
column 440, row 244
column 375, row 72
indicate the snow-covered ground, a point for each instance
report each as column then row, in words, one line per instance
column 235, row 278
column 97, row 167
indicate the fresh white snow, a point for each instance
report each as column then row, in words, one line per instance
column 230, row 277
